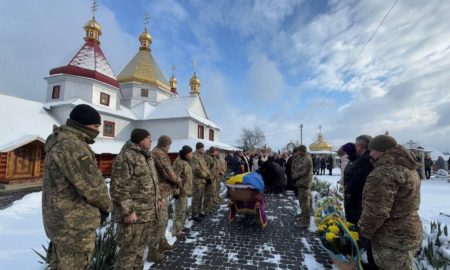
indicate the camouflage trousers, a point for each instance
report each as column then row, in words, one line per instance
column 61, row 258
column 197, row 198
column 158, row 230
column 304, row 199
column 217, row 198
column 180, row 214
column 388, row 258
column 208, row 198
column 132, row 239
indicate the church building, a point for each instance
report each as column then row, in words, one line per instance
column 139, row 97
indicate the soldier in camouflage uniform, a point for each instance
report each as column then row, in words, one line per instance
column 135, row 194
column 213, row 165
column 74, row 194
column 302, row 174
column 391, row 200
column 217, row 199
column 168, row 181
column 184, row 171
column 201, row 177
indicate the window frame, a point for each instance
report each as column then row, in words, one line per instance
column 56, row 89
column 211, row 134
column 144, row 90
column 201, row 132
column 102, row 95
column 109, row 123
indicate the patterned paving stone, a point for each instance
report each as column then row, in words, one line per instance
column 242, row 244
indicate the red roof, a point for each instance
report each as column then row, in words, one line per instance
column 89, row 62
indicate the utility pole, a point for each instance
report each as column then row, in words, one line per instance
column 301, row 134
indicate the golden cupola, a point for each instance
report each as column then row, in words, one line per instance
column 93, row 30
column 195, row 83
column 145, row 40
column 143, row 68
column 173, row 82
column 320, row 144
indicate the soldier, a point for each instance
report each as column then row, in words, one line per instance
column 217, row 199
column 168, row 181
column 135, row 195
column 302, row 174
column 184, row 171
column 213, row 165
column 201, row 177
column 391, row 200
column 74, row 194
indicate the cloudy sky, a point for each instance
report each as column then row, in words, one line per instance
column 262, row 63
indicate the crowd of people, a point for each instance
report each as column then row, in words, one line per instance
column 76, row 199
column 380, row 183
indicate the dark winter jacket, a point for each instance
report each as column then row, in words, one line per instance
column 323, row 163
column 273, row 174
column 354, row 179
column 428, row 163
column 330, row 163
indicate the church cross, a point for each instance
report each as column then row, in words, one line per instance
column 173, row 68
column 194, row 65
column 146, row 20
column 94, row 8
column 411, row 143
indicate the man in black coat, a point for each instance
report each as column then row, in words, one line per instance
column 273, row 176
column 287, row 170
column 428, row 165
column 323, row 165
column 354, row 181
column 330, row 165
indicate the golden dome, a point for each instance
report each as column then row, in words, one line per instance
column 320, row 144
column 93, row 30
column 93, row 24
column 173, row 81
column 145, row 40
column 195, row 85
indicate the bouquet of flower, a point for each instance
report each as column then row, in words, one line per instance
column 338, row 236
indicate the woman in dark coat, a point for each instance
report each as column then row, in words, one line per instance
column 273, row 176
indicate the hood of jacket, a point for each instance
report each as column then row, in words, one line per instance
column 129, row 145
column 399, row 155
column 66, row 132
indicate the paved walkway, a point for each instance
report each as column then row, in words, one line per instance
column 242, row 244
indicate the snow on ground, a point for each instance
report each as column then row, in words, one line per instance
column 198, row 253
column 306, row 244
column 311, row 263
column 21, row 230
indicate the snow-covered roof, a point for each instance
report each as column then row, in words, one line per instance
column 322, row 152
column 23, row 121
column 436, row 153
column 114, row 146
column 175, row 107
column 122, row 112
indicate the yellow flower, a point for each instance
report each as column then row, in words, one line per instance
column 322, row 228
column 331, row 222
column 354, row 235
column 349, row 224
column 334, row 229
column 330, row 236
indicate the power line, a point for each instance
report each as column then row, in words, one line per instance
column 356, row 58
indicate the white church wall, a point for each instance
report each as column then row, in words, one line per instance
column 197, row 108
column 175, row 128
column 96, row 93
column 193, row 131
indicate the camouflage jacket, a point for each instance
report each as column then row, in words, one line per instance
column 214, row 167
column 199, row 169
column 74, row 191
column 168, row 180
column 184, row 171
column 134, row 184
column 391, row 199
column 302, row 171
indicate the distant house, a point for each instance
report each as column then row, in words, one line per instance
column 139, row 97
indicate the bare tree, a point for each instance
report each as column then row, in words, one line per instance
column 252, row 139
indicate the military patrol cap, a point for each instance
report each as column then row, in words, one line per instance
column 138, row 134
column 302, row 148
column 382, row 143
column 85, row 115
column 164, row 140
column 199, row 145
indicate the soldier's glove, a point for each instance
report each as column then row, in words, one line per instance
column 103, row 217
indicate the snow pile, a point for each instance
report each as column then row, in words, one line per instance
column 441, row 174
column 232, row 256
column 435, row 250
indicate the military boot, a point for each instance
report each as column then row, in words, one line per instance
column 155, row 256
column 164, row 246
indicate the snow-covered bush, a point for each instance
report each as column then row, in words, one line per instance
column 435, row 250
